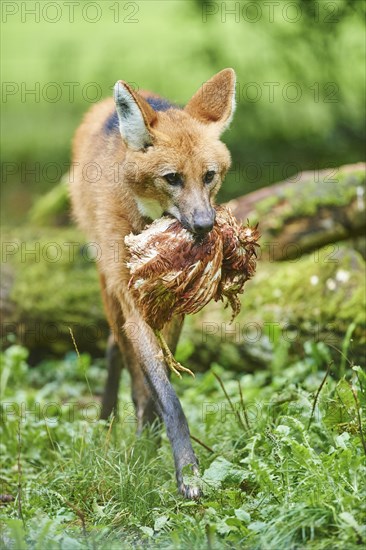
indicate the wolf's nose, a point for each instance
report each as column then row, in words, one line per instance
column 203, row 228
column 204, row 223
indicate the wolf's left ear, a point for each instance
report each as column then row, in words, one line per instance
column 135, row 116
column 214, row 102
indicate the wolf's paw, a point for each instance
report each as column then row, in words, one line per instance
column 189, row 482
column 192, row 492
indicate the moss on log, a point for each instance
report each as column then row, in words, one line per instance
column 53, row 208
column 315, row 298
column 49, row 284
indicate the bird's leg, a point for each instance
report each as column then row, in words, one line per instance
column 169, row 358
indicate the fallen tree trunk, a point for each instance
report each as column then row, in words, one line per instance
column 50, row 285
column 309, row 211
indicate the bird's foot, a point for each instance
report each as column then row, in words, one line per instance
column 169, row 358
column 175, row 366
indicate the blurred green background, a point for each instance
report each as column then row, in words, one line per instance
column 300, row 67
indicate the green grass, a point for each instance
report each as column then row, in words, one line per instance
column 270, row 481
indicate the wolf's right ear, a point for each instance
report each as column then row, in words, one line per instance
column 135, row 116
column 214, row 102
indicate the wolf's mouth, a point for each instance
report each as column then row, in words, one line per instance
column 184, row 223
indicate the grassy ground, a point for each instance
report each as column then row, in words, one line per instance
column 270, row 481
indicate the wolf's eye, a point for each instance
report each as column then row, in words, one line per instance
column 173, row 179
column 209, row 176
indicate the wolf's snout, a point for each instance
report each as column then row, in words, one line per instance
column 203, row 222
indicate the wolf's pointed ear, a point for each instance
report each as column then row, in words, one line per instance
column 214, row 102
column 135, row 116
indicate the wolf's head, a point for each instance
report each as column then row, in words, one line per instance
column 175, row 161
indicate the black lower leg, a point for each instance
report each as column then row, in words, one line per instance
column 177, row 430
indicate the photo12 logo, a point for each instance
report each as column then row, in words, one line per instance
column 53, row 412
column 71, row 12
column 270, row 11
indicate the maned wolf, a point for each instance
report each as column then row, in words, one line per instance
column 136, row 158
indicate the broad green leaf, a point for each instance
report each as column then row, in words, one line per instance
column 147, row 530
column 242, row 515
column 160, row 522
column 341, row 440
column 221, row 470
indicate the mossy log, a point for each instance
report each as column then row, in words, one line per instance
column 50, row 285
column 309, row 211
